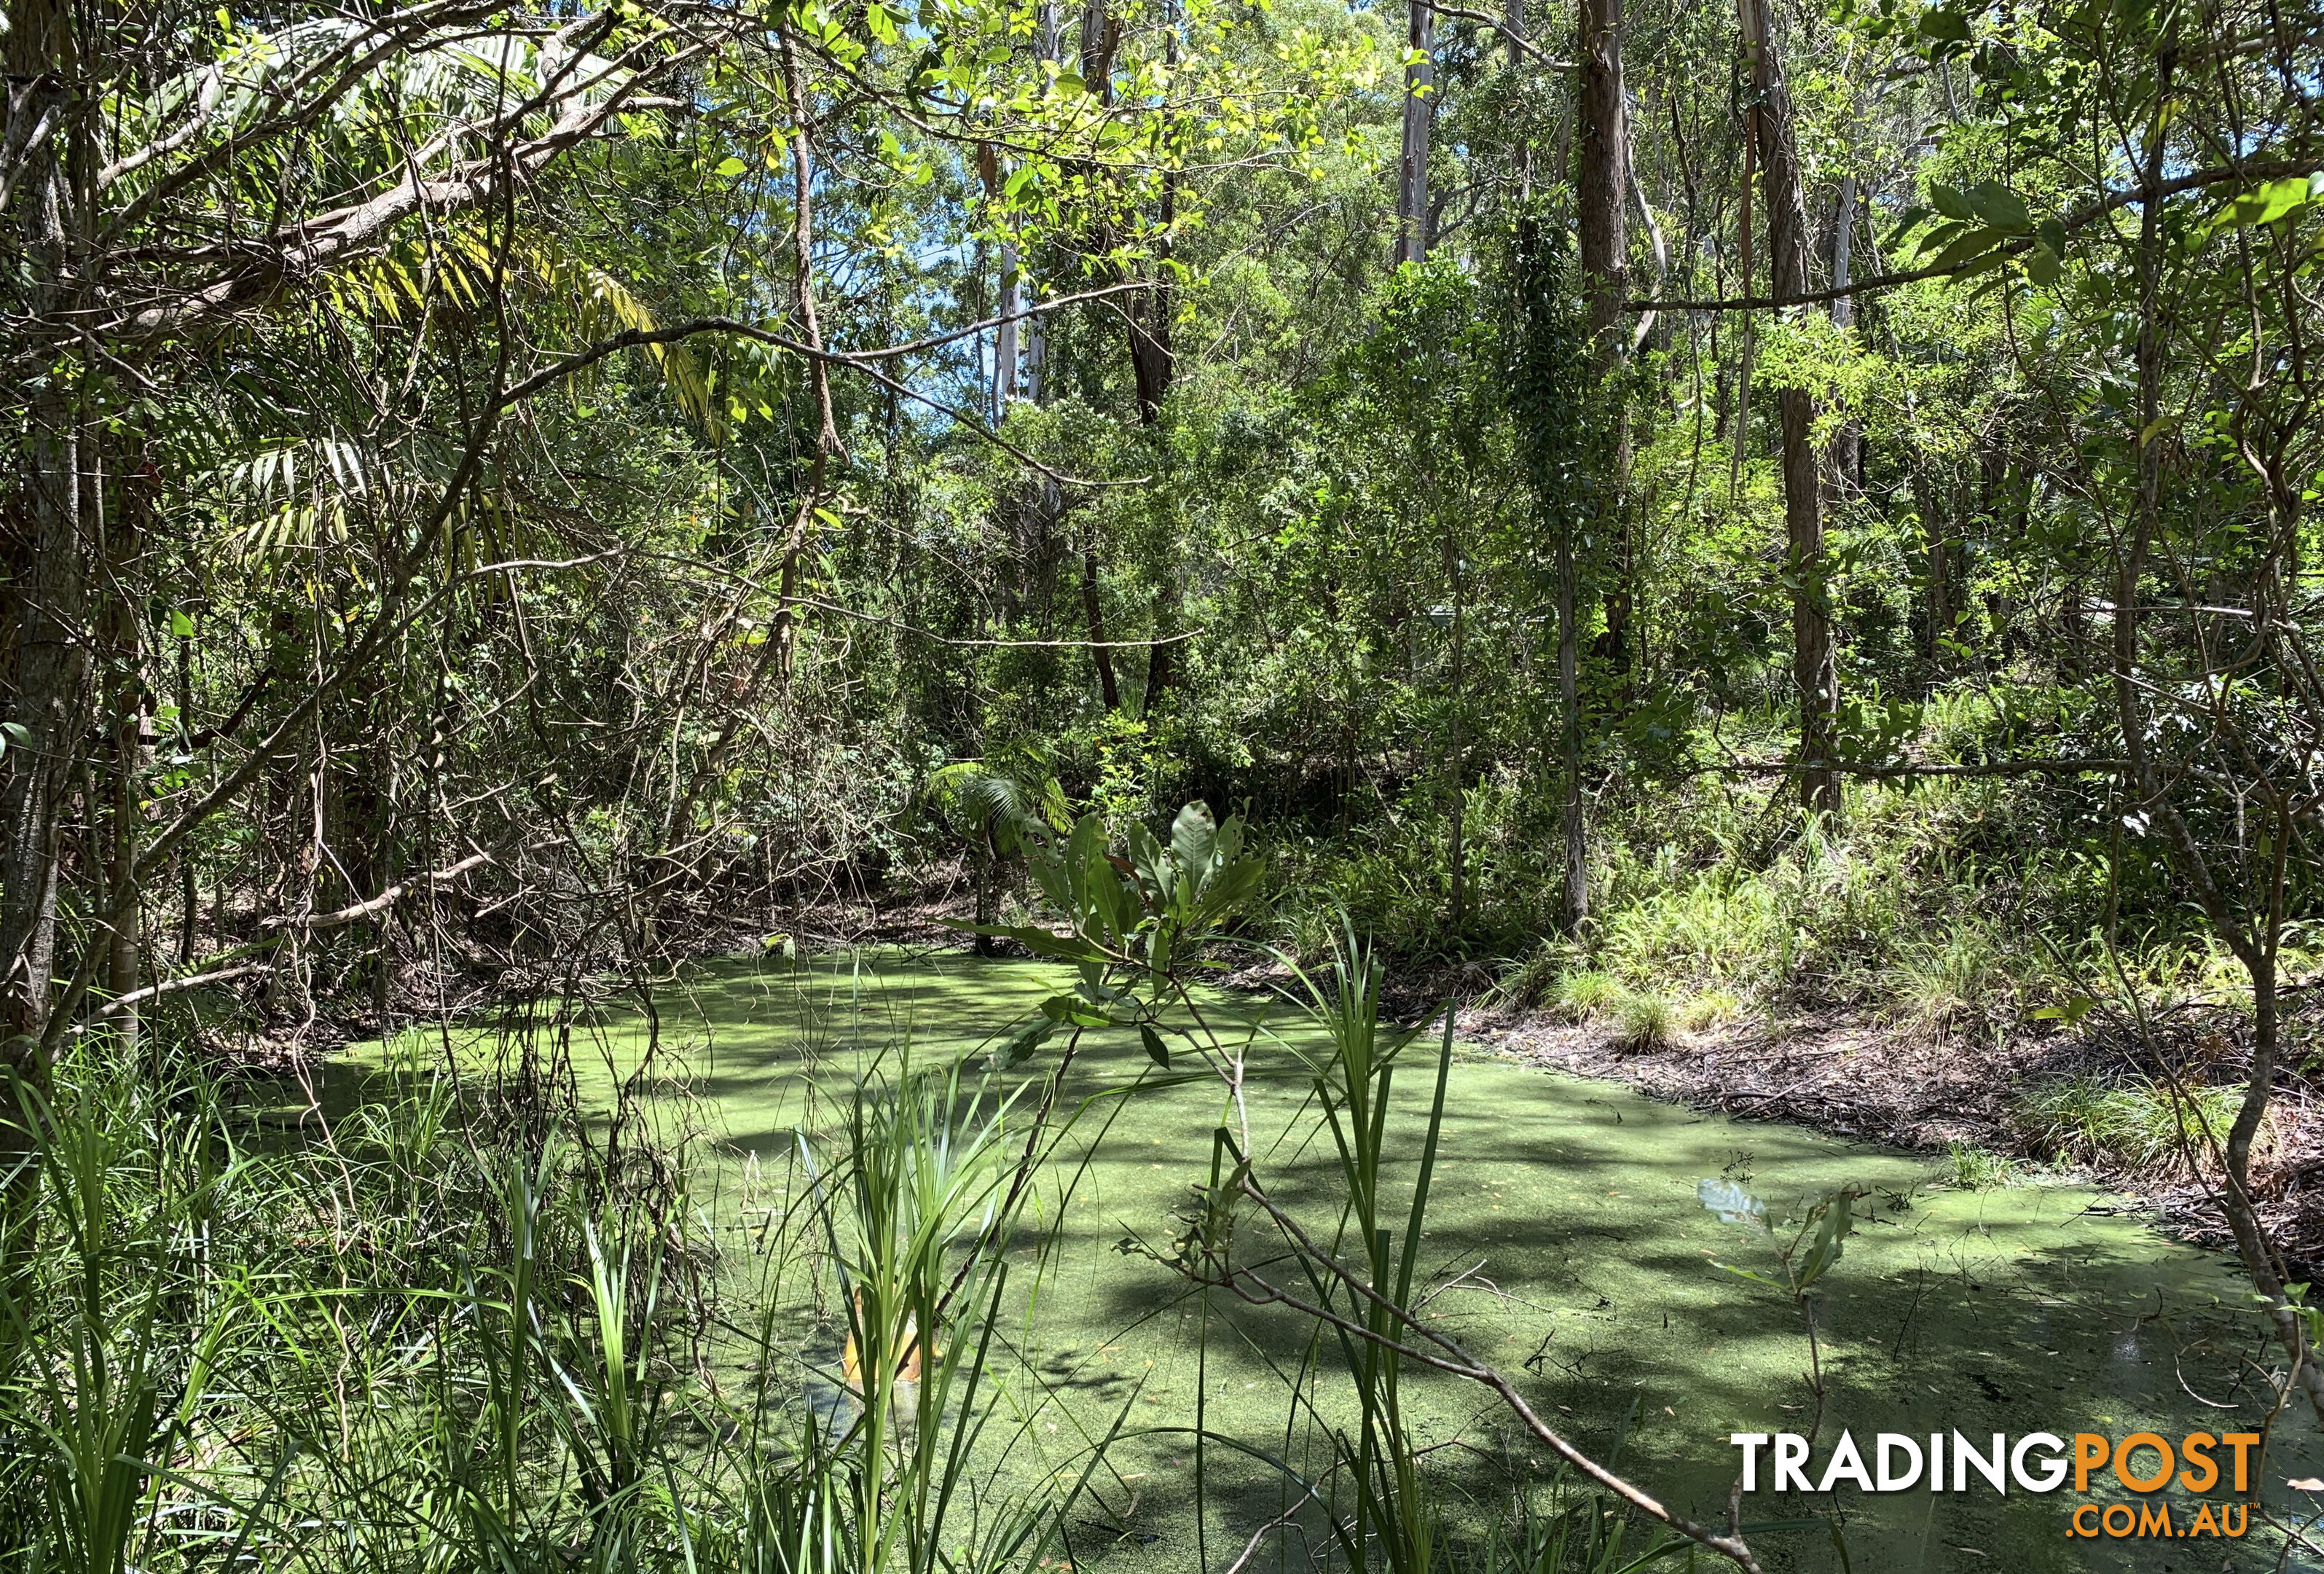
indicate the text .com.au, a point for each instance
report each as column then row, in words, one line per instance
column 2094, row 1466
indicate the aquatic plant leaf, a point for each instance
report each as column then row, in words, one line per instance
column 1017, row 1048
column 1732, row 1203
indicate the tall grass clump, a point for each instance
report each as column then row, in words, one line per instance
column 436, row 1332
column 2129, row 1123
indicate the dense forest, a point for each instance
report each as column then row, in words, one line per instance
column 1663, row 532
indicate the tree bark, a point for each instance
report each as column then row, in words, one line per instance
column 1412, row 210
column 50, row 704
column 1576, row 900
column 1005, row 338
column 1456, row 753
column 130, row 753
column 1847, row 460
column 1101, row 651
column 1153, row 364
column 783, row 637
column 1815, row 675
column 1159, row 668
column 1603, row 165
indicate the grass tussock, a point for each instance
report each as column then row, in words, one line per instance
column 1980, row 1168
column 2129, row 1123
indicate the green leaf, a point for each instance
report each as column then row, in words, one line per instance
column 1732, row 1203
column 1155, row 1050
column 1944, row 26
column 2001, row 208
column 1065, row 1011
column 728, row 168
column 1973, row 243
column 1017, row 1048
column 2262, row 204
column 1939, row 237
column 2071, row 1012
column 1951, row 201
column 1192, row 837
column 1836, row 1221
column 181, row 625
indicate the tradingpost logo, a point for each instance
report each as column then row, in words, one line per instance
column 2101, row 1468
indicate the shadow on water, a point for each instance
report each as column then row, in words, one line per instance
column 1565, row 1230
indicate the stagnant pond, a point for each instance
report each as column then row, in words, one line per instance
column 1591, row 1274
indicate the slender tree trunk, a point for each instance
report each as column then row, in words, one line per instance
column 1456, row 761
column 1413, row 214
column 1153, row 364
column 1603, row 182
column 1603, row 162
column 1037, row 338
column 1847, row 460
column 50, row 704
column 1602, row 187
column 1101, row 651
column 1569, row 753
column 1740, row 436
column 784, row 636
column 1940, row 596
column 1815, row 677
column 1159, row 669
column 1005, row 338
column 125, row 683
column 189, row 890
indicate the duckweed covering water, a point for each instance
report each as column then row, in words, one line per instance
column 1572, row 1248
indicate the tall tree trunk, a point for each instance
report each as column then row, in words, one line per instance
column 48, row 710
column 1814, row 675
column 1152, row 362
column 1101, row 651
column 1155, row 365
column 827, row 434
column 1846, row 461
column 1571, row 825
column 125, row 706
column 1159, row 668
column 1004, row 338
column 189, row 890
column 1412, row 210
column 1602, row 161
column 1456, row 752
column 1941, row 599
column 1037, row 337
column 1602, row 166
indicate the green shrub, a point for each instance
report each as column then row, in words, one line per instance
column 1976, row 1169
column 1710, row 1009
column 2130, row 1122
column 1644, row 1020
column 1578, row 996
column 1938, row 988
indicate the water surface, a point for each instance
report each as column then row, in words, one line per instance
column 1567, row 1209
